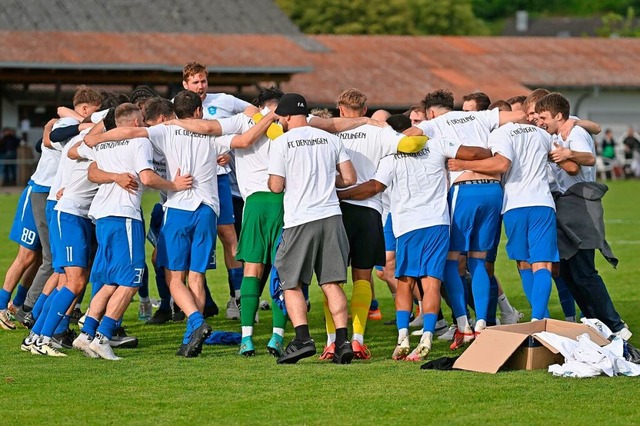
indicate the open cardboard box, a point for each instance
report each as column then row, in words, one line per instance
column 514, row 347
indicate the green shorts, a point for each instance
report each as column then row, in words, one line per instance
column 262, row 222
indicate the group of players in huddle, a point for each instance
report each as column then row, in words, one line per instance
column 419, row 196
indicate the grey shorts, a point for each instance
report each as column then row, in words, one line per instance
column 320, row 246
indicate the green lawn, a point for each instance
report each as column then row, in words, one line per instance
column 152, row 385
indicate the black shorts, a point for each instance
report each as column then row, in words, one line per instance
column 365, row 234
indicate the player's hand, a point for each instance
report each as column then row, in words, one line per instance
column 224, row 159
column 560, row 153
column 50, row 124
column 90, row 140
column 456, row 165
column 566, row 128
column 127, row 181
column 183, row 182
column 60, row 193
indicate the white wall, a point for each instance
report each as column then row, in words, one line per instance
column 9, row 114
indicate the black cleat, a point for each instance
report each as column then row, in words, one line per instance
column 25, row 318
column 210, row 310
column 160, row 317
column 343, row 353
column 297, row 350
column 122, row 341
column 178, row 315
column 64, row 339
column 193, row 348
column 76, row 314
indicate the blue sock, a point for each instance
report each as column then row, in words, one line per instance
column 4, row 298
column 480, row 286
column 59, row 306
column 194, row 321
column 454, row 288
column 526, row 275
column 163, row 290
column 119, row 323
column 107, row 327
column 235, row 280
column 90, row 326
column 63, row 326
column 429, row 323
column 493, row 301
column 566, row 298
column 37, row 307
column 402, row 319
column 37, row 327
column 374, row 305
column 540, row 293
column 143, row 291
column 21, row 295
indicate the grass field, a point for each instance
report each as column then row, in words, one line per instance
column 153, row 386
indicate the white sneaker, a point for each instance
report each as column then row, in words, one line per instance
column 39, row 348
column 624, row 334
column 513, row 317
column 100, row 345
column 233, row 310
column 402, row 349
column 81, row 320
column 418, row 322
column 264, row 305
column 448, row 336
column 28, row 342
column 82, row 343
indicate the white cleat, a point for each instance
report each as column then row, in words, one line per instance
column 402, row 349
column 513, row 317
column 45, row 349
column 448, row 336
column 100, row 346
column 28, row 342
column 6, row 320
column 421, row 352
column 82, row 343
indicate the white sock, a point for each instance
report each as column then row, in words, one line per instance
column 427, row 336
column 44, row 340
column 402, row 334
column 503, row 303
column 463, row 323
column 237, row 294
column 77, row 306
column 480, row 325
column 331, row 338
column 247, row 331
column 145, row 299
column 570, row 319
column 358, row 337
column 278, row 331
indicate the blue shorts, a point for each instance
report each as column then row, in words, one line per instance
column 24, row 231
column 188, row 240
column 157, row 215
column 71, row 239
column 531, row 234
column 120, row 257
column 423, row 252
column 492, row 254
column 475, row 216
column 226, row 201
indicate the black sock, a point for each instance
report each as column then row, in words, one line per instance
column 341, row 336
column 26, row 308
column 302, row 333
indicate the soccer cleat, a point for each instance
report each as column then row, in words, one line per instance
column 39, row 348
column 6, row 321
column 297, row 350
column 511, row 318
column 276, row 345
column 25, row 318
column 178, row 315
column 233, row 309
column 210, row 310
column 160, row 317
column 375, row 314
column 328, row 352
column 82, row 343
column 144, row 311
column 28, row 341
column 75, row 316
column 402, row 349
column 12, row 308
column 264, row 305
column 101, row 347
column 344, row 353
column 121, row 340
column 246, row 347
column 462, row 338
column 360, row 351
column 81, row 320
column 64, row 339
column 193, row 348
column 448, row 336
column 421, row 351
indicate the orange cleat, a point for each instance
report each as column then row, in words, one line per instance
column 327, row 353
column 360, row 351
column 375, row 315
column 460, row 339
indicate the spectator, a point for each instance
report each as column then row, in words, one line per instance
column 608, row 147
column 9, row 151
column 631, row 144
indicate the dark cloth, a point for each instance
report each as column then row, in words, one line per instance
column 580, row 219
column 62, row 134
column 632, row 144
column 444, row 363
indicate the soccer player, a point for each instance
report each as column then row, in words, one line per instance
column 305, row 160
column 476, row 101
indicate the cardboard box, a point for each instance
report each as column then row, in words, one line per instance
column 514, row 346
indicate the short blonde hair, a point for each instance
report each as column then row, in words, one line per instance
column 353, row 99
column 193, row 68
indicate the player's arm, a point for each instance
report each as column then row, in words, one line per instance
column 126, row 181
column 347, row 174
column 561, row 153
column 590, row 126
column 64, row 112
column 493, row 165
column 117, row 134
column 363, row 191
column 276, row 183
column 197, row 125
column 472, row 153
column 151, row 179
column 571, row 167
column 96, row 130
column 46, row 140
column 413, row 131
column 247, row 138
column 341, row 124
column 512, row 117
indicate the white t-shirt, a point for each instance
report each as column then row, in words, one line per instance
column 527, row 147
column 79, row 191
column 50, row 158
column 195, row 154
column 366, row 145
column 417, row 185
column 64, row 168
column 307, row 157
column 470, row 128
column 220, row 105
column 126, row 156
column 579, row 140
column 251, row 163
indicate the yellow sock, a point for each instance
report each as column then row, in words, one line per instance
column 360, row 302
column 328, row 319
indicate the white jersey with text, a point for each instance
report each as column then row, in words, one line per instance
column 527, row 147
column 417, row 185
column 307, row 157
